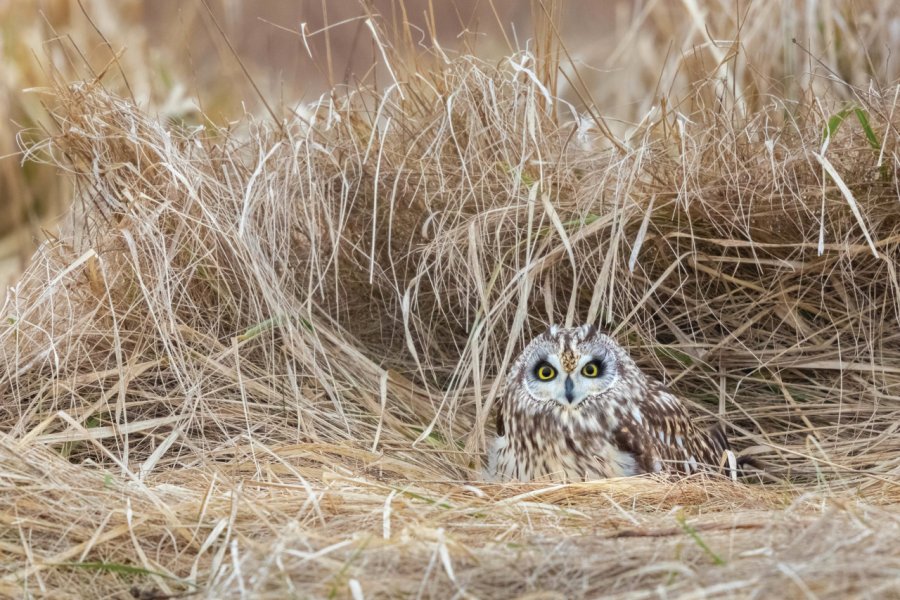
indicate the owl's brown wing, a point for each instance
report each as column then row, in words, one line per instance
column 661, row 436
column 632, row 436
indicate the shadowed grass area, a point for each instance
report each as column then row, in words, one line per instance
column 264, row 363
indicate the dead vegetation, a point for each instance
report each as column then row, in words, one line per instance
column 262, row 363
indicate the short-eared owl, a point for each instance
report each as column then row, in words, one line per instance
column 577, row 407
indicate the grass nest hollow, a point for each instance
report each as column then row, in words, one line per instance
column 263, row 360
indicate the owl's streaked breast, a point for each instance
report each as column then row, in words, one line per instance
column 568, row 444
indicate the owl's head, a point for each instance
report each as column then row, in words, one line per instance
column 568, row 365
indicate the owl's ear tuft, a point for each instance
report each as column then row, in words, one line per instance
column 587, row 331
column 553, row 331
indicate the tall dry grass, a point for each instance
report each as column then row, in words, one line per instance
column 43, row 41
column 264, row 362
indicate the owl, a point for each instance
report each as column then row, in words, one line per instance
column 577, row 407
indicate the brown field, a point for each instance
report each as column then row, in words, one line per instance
column 266, row 279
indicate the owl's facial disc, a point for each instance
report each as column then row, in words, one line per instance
column 567, row 369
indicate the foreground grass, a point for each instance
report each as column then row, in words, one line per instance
column 264, row 361
column 318, row 530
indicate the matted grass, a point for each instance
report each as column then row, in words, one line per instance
column 264, row 362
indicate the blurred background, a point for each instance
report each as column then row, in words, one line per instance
column 210, row 63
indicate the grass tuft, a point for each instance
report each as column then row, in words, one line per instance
column 264, row 360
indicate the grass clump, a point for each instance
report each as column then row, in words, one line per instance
column 263, row 362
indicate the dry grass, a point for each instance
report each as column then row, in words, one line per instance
column 263, row 362
column 44, row 36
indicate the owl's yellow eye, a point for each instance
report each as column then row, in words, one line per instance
column 545, row 372
column 591, row 369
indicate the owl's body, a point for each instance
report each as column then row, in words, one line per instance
column 577, row 407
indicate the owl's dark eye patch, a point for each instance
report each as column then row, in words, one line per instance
column 544, row 371
column 593, row 369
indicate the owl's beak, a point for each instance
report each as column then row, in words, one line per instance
column 570, row 389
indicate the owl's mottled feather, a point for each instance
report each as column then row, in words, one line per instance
column 616, row 422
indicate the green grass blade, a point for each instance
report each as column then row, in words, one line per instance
column 120, row 569
column 688, row 529
column 870, row 134
column 834, row 123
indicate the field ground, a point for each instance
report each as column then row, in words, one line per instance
column 258, row 356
